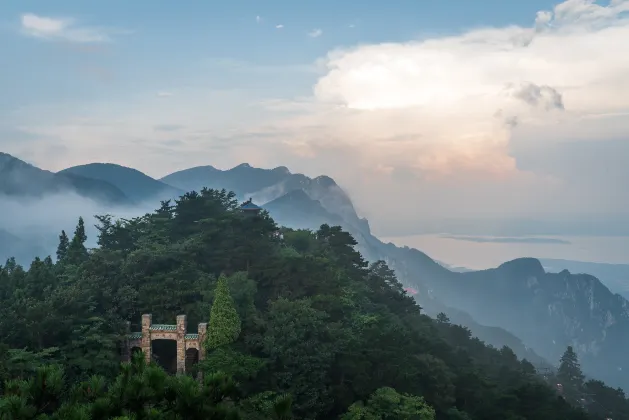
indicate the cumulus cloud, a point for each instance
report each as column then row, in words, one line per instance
column 449, row 104
column 62, row 29
column 315, row 33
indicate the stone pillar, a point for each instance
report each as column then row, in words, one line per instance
column 147, row 321
column 182, row 327
column 202, row 337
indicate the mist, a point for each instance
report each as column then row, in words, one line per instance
column 30, row 226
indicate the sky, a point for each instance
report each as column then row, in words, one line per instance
column 423, row 111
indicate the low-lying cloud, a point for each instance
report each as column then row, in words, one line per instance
column 33, row 224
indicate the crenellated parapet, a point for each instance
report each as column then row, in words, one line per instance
column 176, row 332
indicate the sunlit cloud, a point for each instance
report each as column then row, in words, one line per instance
column 456, row 100
column 280, row 26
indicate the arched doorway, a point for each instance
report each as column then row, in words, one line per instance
column 192, row 361
column 164, row 353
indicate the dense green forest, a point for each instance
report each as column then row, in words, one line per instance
column 299, row 327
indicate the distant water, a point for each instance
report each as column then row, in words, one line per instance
column 480, row 252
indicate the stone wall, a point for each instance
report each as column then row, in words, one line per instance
column 176, row 333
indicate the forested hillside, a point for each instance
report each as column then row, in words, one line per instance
column 300, row 327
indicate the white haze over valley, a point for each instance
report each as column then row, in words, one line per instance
column 39, row 221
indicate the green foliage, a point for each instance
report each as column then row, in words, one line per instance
column 139, row 392
column 225, row 325
column 62, row 248
column 387, row 404
column 77, row 253
column 307, row 328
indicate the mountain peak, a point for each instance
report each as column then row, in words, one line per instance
column 325, row 181
column 242, row 166
column 282, row 170
column 527, row 266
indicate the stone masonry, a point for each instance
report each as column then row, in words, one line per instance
column 177, row 332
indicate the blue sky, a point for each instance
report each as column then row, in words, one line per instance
column 152, row 41
column 450, row 101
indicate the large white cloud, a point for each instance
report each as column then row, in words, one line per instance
column 452, row 102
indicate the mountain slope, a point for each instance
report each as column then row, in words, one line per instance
column 20, row 179
column 614, row 276
column 131, row 182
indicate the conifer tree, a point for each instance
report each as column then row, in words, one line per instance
column 77, row 253
column 569, row 374
column 224, row 325
column 62, row 248
column 442, row 318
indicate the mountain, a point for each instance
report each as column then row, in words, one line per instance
column 548, row 311
column 266, row 185
column 20, row 179
column 517, row 304
column 131, row 182
column 614, row 276
column 19, row 248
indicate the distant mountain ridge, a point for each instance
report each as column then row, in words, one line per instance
column 131, row 182
column 20, row 179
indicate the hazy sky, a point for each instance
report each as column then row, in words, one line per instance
column 420, row 109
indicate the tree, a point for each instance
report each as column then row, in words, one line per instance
column 387, row 404
column 570, row 375
column 224, row 325
column 62, row 248
column 442, row 318
column 77, row 253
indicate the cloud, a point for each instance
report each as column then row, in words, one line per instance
column 459, row 124
column 315, row 33
column 280, row 26
column 63, row 29
column 168, row 127
column 455, row 100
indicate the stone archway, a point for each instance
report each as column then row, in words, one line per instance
column 156, row 343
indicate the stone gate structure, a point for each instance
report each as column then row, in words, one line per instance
column 186, row 343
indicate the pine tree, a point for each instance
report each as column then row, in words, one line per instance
column 224, row 325
column 62, row 248
column 442, row 318
column 77, row 253
column 570, row 375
